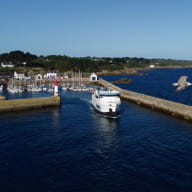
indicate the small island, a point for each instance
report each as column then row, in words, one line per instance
column 122, row 81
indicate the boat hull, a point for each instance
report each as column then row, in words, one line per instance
column 109, row 114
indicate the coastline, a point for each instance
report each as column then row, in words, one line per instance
column 128, row 71
column 137, row 71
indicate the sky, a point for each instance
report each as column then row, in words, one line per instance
column 98, row 28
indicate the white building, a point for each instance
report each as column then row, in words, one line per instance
column 50, row 75
column 151, row 66
column 39, row 77
column 93, row 77
column 7, row 64
column 19, row 76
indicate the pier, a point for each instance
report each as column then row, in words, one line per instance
column 173, row 108
column 2, row 97
column 31, row 103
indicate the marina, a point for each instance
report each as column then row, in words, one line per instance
column 29, row 103
column 82, row 84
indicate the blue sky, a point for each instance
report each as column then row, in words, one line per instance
column 101, row 28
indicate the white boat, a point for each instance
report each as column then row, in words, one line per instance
column 44, row 88
column 50, row 89
column 65, row 88
column 1, row 87
column 106, row 102
column 33, row 88
column 14, row 89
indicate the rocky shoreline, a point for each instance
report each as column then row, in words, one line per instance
column 135, row 71
column 122, row 81
column 128, row 71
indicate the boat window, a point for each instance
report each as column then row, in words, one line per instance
column 109, row 94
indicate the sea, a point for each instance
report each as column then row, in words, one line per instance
column 72, row 149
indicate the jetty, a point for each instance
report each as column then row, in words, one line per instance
column 2, row 97
column 27, row 104
column 173, row 108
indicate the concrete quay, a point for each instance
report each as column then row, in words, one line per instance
column 31, row 103
column 2, row 97
column 173, row 108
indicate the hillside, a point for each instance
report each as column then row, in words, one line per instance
column 103, row 65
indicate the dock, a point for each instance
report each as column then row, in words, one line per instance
column 173, row 108
column 30, row 103
column 2, row 97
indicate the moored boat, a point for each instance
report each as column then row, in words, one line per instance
column 106, row 102
column 1, row 87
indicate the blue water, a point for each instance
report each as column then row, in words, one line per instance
column 158, row 83
column 71, row 148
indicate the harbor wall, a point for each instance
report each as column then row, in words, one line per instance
column 173, row 108
column 31, row 103
column 2, row 97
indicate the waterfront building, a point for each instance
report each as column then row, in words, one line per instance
column 19, row 76
column 39, row 77
column 50, row 75
column 7, row 64
column 93, row 77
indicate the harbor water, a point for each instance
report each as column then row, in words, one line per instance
column 71, row 148
column 158, row 83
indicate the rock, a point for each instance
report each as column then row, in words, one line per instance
column 122, row 81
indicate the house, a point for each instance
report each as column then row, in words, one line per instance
column 50, row 75
column 93, row 77
column 39, row 77
column 151, row 66
column 7, row 64
column 19, row 76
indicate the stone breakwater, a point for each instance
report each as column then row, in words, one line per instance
column 173, row 108
column 2, row 97
column 31, row 103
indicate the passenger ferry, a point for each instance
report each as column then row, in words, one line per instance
column 106, row 101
